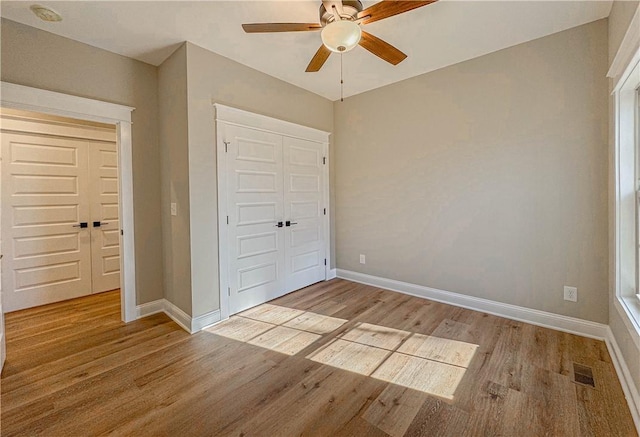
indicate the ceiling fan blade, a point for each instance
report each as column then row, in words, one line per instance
column 381, row 49
column 280, row 27
column 389, row 8
column 318, row 59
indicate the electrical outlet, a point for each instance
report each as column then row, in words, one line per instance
column 174, row 209
column 362, row 259
column 570, row 294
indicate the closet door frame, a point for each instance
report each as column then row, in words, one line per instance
column 48, row 102
column 226, row 115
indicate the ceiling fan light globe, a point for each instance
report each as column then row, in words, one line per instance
column 341, row 36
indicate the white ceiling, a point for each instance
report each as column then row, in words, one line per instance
column 433, row 36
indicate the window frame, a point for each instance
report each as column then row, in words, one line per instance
column 627, row 194
column 637, row 175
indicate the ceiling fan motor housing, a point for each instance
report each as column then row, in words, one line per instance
column 350, row 9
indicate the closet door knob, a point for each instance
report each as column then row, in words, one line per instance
column 289, row 223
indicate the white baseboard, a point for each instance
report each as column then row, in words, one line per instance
column 333, row 273
column 146, row 309
column 180, row 317
column 545, row 319
column 208, row 319
column 186, row 322
column 624, row 375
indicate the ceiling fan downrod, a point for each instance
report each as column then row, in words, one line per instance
column 341, row 81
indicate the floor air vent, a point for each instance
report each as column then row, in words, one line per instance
column 583, row 375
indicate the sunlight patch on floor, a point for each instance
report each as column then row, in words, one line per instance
column 274, row 314
column 286, row 340
column 457, row 353
column 425, row 363
column 277, row 328
column 239, row 328
column 350, row 356
column 375, row 335
column 428, row 376
column 316, row 323
column 421, row 362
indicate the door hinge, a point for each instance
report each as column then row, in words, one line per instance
column 325, row 211
column 121, row 232
column 324, row 160
column 227, row 219
column 226, row 146
column 229, row 290
column 325, row 261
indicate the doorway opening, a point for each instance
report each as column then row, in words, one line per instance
column 59, row 208
column 89, row 111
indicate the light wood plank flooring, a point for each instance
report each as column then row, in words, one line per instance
column 337, row 358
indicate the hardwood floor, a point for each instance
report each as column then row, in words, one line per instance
column 336, row 358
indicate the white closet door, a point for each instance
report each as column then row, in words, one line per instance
column 303, row 211
column 105, row 227
column 255, row 206
column 44, row 199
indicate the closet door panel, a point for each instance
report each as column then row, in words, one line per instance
column 303, row 209
column 255, row 206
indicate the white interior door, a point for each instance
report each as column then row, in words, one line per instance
column 303, row 211
column 275, row 205
column 44, row 199
column 255, row 207
column 105, row 227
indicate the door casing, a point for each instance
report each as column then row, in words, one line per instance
column 64, row 105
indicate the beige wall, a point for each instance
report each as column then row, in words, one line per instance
column 214, row 78
column 174, row 150
column 487, row 178
column 40, row 59
column 619, row 20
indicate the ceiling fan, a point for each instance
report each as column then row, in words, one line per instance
column 340, row 23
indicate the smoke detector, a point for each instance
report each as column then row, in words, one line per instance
column 45, row 13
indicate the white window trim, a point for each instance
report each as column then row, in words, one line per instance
column 628, row 46
column 49, row 102
column 626, row 262
column 637, row 181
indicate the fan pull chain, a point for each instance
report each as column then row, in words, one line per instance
column 341, row 81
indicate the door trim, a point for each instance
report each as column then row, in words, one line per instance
column 49, row 102
column 226, row 115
